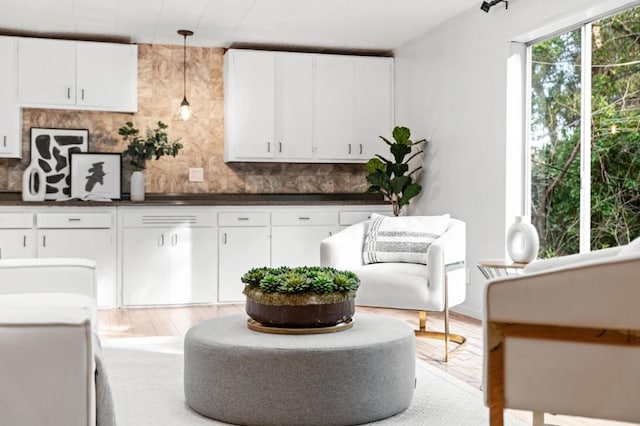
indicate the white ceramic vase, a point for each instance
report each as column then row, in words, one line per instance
column 137, row 186
column 523, row 241
column 31, row 191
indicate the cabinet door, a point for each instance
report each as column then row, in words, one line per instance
column 193, row 266
column 373, row 105
column 239, row 250
column 333, row 100
column 47, row 72
column 251, row 104
column 95, row 244
column 298, row 245
column 145, row 267
column 294, row 106
column 107, row 76
column 17, row 243
column 10, row 135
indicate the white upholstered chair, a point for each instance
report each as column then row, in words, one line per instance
column 47, row 342
column 435, row 286
column 564, row 337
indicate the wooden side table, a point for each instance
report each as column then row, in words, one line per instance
column 500, row 268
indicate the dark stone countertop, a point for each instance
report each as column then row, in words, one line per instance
column 210, row 199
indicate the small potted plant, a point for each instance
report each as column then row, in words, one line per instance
column 155, row 145
column 302, row 297
column 392, row 178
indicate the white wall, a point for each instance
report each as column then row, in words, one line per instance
column 451, row 89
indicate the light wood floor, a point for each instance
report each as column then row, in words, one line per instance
column 466, row 364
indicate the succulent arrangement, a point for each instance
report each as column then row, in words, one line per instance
column 299, row 285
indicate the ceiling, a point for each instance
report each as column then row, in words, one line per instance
column 369, row 25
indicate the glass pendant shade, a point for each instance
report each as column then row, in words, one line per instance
column 184, row 113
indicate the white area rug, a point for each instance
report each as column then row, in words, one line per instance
column 147, row 384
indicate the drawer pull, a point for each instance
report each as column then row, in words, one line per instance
column 74, row 219
column 279, row 146
column 68, row 92
column 44, row 241
column 349, row 148
column 360, row 148
column 4, row 140
column 304, row 218
column 24, row 241
column 174, row 239
column 82, row 91
column 161, row 240
column 224, row 238
column 243, row 218
column 268, row 146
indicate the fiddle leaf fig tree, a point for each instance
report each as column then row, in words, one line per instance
column 392, row 178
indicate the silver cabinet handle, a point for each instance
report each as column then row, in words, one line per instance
column 68, row 92
column 304, row 218
column 268, row 146
column 4, row 141
column 24, row 241
column 74, row 219
column 160, row 240
column 174, row 239
column 349, row 148
column 82, row 94
column 243, row 218
column 44, row 241
column 279, row 146
column 360, row 148
column 224, row 238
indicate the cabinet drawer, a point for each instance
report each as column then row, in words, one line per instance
column 73, row 220
column 243, row 219
column 16, row 220
column 352, row 217
column 304, row 217
column 183, row 219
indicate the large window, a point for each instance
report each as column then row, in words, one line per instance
column 585, row 136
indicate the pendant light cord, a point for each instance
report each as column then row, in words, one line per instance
column 184, row 67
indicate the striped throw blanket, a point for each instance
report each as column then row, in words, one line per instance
column 402, row 239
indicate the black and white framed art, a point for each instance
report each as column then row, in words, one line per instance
column 96, row 175
column 50, row 150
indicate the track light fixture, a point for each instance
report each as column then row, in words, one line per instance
column 184, row 112
column 486, row 5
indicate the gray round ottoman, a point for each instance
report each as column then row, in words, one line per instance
column 241, row 376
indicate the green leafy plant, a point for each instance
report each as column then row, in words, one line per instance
column 154, row 146
column 392, row 178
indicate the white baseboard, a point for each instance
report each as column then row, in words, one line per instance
column 468, row 311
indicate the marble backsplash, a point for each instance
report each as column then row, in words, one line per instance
column 160, row 89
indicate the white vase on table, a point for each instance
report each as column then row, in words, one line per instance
column 137, row 186
column 523, row 241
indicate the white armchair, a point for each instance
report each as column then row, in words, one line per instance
column 436, row 286
column 564, row 337
column 48, row 317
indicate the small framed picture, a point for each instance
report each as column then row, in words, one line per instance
column 96, row 175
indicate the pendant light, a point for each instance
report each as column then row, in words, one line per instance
column 184, row 112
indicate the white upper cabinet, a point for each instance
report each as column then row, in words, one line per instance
column 107, row 76
column 302, row 107
column 250, row 109
column 373, row 105
column 77, row 75
column 10, row 123
column 334, row 107
column 268, row 106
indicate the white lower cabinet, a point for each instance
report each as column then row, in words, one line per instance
column 85, row 235
column 168, row 257
column 296, row 236
column 243, row 240
column 17, row 236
